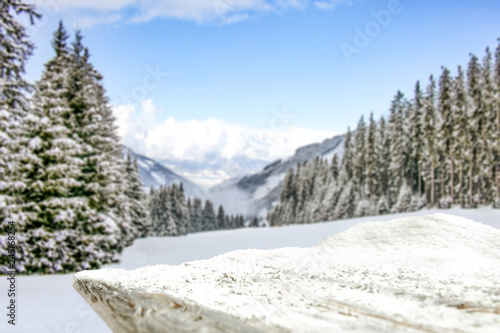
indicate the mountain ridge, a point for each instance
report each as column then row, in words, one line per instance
column 154, row 174
column 260, row 191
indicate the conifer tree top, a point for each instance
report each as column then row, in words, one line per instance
column 59, row 41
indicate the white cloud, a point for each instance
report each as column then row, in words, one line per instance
column 329, row 5
column 227, row 11
column 86, row 21
column 98, row 5
column 200, row 140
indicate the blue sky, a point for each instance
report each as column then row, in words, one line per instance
column 241, row 61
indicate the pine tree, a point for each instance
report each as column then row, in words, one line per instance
column 135, row 193
column 254, row 222
column 416, row 135
column 477, row 115
column 462, row 145
column 383, row 150
column 429, row 131
column 221, row 218
column 334, row 167
column 302, row 187
column 445, row 137
column 347, row 158
column 286, row 189
column 208, row 217
column 163, row 223
column 487, row 169
column 396, row 135
column 196, row 216
column 241, row 221
column 347, row 202
column 93, row 124
column 496, row 73
column 178, row 209
column 151, row 206
column 52, row 209
column 189, row 207
column 371, row 160
column 359, row 153
column 15, row 49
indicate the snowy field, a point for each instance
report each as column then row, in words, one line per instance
column 50, row 304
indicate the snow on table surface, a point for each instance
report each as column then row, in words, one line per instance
column 433, row 273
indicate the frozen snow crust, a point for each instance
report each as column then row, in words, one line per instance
column 435, row 273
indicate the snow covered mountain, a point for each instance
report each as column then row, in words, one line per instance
column 154, row 174
column 214, row 168
column 257, row 193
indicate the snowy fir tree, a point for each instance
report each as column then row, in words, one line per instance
column 496, row 137
column 371, row 185
column 162, row 221
column 221, row 218
column 208, row 217
column 462, row 145
column 446, row 138
column 179, row 209
column 398, row 145
column 53, row 213
column 195, row 215
column 416, row 134
column 136, row 196
column 61, row 163
column 438, row 149
column 254, row 222
column 15, row 49
column 430, row 157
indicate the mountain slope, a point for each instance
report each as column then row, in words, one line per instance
column 214, row 169
column 154, row 174
column 257, row 193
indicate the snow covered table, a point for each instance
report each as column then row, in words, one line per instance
column 438, row 273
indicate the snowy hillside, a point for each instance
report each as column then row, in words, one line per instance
column 434, row 273
column 258, row 192
column 68, row 312
column 154, row 174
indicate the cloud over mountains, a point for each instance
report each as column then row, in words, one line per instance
column 208, row 139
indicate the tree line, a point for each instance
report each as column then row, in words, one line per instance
column 171, row 214
column 441, row 147
column 76, row 202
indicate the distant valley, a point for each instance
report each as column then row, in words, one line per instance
column 251, row 187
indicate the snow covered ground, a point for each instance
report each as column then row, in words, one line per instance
column 49, row 303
